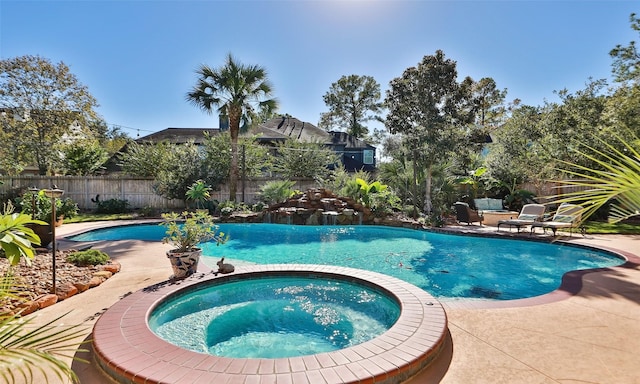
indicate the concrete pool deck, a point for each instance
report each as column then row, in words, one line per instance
column 592, row 336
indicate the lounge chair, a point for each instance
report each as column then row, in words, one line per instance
column 464, row 214
column 567, row 216
column 530, row 213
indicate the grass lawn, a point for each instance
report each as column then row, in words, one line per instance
column 607, row 228
column 86, row 217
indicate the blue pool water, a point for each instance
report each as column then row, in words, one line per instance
column 274, row 317
column 446, row 266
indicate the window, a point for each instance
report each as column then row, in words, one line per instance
column 367, row 156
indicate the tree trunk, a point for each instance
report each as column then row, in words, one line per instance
column 428, row 205
column 414, row 185
column 234, row 131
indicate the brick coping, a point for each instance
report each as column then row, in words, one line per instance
column 127, row 350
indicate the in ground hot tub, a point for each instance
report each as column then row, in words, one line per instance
column 412, row 335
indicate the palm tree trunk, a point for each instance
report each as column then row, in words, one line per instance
column 234, row 130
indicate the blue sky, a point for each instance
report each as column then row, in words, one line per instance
column 138, row 57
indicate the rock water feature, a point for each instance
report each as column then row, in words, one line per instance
column 318, row 207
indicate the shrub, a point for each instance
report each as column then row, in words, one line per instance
column 64, row 207
column 112, row 206
column 88, row 257
column 276, row 191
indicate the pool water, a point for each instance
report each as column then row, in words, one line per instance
column 446, row 266
column 274, row 317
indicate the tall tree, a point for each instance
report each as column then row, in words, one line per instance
column 626, row 60
column 239, row 92
column 42, row 103
column 488, row 101
column 353, row 100
column 431, row 111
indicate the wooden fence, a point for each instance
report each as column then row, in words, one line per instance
column 137, row 191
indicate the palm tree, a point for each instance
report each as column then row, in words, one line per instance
column 615, row 181
column 240, row 93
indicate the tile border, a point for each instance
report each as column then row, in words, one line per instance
column 130, row 352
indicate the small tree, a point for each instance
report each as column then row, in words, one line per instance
column 84, row 158
column 199, row 192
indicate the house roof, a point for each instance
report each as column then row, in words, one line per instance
column 179, row 135
column 280, row 128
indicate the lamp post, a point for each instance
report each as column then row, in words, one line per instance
column 34, row 192
column 53, row 193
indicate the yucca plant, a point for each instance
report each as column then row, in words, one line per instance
column 199, row 192
column 617, row 180
column 24, row 347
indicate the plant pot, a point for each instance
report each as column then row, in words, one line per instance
column 43, row 232
column 184, row 264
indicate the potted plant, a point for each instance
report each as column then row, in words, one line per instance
column 185, row 231
column 199, row 192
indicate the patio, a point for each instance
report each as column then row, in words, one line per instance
column 591, row 336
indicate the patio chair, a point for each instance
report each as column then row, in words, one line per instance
column 567, row 216
column 529, row 213
column 464, row 214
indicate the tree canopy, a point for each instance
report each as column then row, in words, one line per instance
column 432, row 112
column 240, row 93
column 43, row 106
column 353, row 101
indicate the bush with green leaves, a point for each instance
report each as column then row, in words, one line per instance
column 88, row 257
column 384, row 203
column 113, row 206
column 277, row 191
column 64, row 207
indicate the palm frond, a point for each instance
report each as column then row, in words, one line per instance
column 617, row 180
column 25, row 351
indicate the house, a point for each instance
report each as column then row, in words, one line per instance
column 354, row 153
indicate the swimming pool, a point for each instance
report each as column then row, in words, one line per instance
column 445, row 265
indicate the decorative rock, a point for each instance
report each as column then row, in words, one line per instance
column 28, row 307
column 113, row 267
column 81, row 286
column 46, row 300
column 103, row 274
column 96, row 280
column 65, row 290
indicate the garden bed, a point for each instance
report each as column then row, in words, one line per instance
column 33, row 283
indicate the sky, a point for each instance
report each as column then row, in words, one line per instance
column 138, row 57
